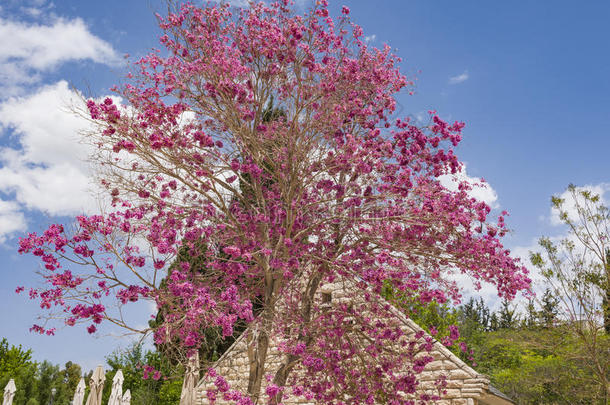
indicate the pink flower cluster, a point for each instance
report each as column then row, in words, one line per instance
column 225, row 216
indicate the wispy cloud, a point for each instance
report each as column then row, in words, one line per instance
column 539, row 284
column 45, row 169
column 481, row 190
column 459, row 78
column 370, row 38
column 569, row 204
column 42, row 164
column 246, row 3
column 11, row 219
column 29, row 49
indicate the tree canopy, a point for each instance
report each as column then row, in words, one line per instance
column 577, row 271
column 333, row 189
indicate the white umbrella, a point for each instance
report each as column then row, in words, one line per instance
column 116, row 395
column 126, row 398
column 188, row 396
column 79, row 394
column 96, row 386
column 9, row 392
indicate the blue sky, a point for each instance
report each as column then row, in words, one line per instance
column 530, row 79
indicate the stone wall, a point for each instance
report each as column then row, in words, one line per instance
column 464, row 385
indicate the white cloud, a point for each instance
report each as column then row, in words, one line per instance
column 42, row 165
column 234, row 3
column 32, row 11
column 370, row 38
column 459, row 78
column 11, row 219
column 469, row 289
column 38, row 3
column 539, row 285
column 47, row 170
column 481, row 190
column 420, row 117
column 246, row 3
column 569, row 204
column 523, row 253
column 27, row 50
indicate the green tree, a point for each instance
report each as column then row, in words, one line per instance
column 577, row 272
column 16, row 363
column 532, row 316
column 537, row 366
column 163, row 391
column 475, row 314
column 47, row 380
column 508, row 319
column 549, row 309
column 214, row 343
column 12, row 358
column 494, row 322
column 169, row 393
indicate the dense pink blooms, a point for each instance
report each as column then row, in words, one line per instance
column 269, row 211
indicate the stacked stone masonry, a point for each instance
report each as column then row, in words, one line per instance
column 464, row 385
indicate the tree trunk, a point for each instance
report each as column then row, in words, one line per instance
column 281, row 375
column 258, row 344
column 606, row 308
column 606, row 298
column 257, row 354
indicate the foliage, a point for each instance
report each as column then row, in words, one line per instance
column 16, row 363
column 169, row 393
column 333, row 190
column 47, row 373
column 549, row 309
column 439, row 320
column 507, row 318
column 577, row 270
column 537, row 366
column 34, row 380
column 148, row 375
column 213, row 342
column 540, row 361
column 64, row 380
column 12, row 358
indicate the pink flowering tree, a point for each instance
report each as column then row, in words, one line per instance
column 270, row 210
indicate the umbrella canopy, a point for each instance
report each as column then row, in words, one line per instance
column 126, row 398
column 96, row 386
column 188, row 395
column 9, row 392
column 79, row 394
column 116, row 395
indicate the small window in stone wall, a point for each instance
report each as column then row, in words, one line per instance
column 327, row 298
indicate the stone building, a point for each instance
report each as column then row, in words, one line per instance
column 464, row 385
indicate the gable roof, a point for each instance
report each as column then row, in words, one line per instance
column 465, row 386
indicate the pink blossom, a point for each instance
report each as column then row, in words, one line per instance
column 331, row 190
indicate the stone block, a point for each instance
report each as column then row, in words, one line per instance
column 458, row 374
column 449, row 365
column 427, row 385
column 475, row 381
column 435, row 365
column 432, row 375
column 454, row 384
column 472, row 392
column 452, row 393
